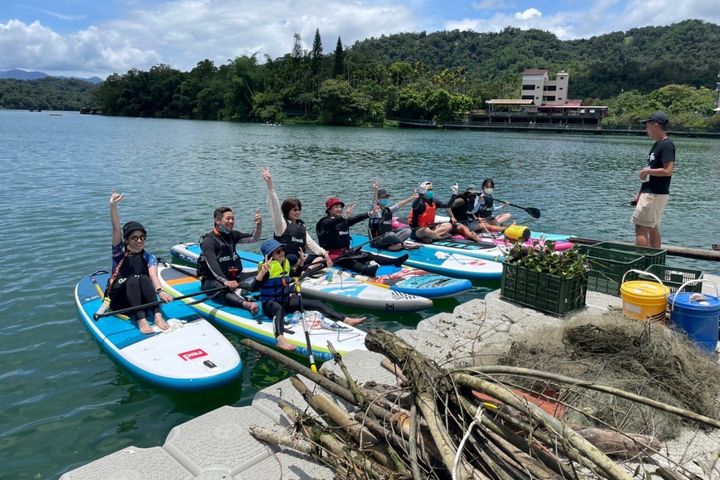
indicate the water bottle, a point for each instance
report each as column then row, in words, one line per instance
column 295, row 318
column 329, row 275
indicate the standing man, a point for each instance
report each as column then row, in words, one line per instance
column 654, row 192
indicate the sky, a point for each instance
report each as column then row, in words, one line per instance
column 99, row 37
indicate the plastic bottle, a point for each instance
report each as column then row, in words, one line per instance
column 329, row 275
column 295, row 318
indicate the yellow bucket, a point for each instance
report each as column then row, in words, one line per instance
column 642, row 299
column 517, row 232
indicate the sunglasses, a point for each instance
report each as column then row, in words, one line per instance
column 279, row 250
column 137, row 238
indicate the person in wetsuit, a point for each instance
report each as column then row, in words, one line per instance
column 384, row 236
column 485, row 209
column 274, row 281
column 290, row 230
column 333, row 231
column 219, row 264
column 134, row 278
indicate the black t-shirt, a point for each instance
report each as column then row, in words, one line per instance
column 661, row 153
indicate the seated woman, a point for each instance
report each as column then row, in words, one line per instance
column 274, row 280
column 485, row 207
column 380, row 224
column 290, row 230
column 134, row 278
column 333, row 231
column 422, row 216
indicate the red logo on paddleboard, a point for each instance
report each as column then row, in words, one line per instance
column 192, row 354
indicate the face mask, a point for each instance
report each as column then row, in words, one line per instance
column 223, row 229
column 384, row 202
column 429, row 195
column 489, row 191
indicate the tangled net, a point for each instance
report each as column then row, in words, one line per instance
column 641, row 357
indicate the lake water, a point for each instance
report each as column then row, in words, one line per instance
column 65, row 403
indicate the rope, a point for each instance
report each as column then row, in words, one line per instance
column 456, row 462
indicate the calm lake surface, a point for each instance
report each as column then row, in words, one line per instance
column 65, row 403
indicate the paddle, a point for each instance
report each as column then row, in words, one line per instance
column 311, row 357
column 155, row 304
column 533, row 212
column 355, row 249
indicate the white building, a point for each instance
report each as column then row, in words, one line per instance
column 536, row 86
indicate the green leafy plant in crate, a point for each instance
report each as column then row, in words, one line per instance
column 544, row 258
column 549, row 281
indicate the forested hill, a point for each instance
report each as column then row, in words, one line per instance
column 642, row 59
column 49, row 93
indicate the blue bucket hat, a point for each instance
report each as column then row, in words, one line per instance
column 269, row 246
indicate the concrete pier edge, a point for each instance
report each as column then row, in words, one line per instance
column 218, row 446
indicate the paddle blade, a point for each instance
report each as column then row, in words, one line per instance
column 533, row 212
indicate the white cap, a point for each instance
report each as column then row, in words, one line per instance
column 424, row 187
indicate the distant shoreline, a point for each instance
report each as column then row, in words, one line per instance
column 546, row 129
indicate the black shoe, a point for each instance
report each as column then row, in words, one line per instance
column 400, row 260
column 369, row 270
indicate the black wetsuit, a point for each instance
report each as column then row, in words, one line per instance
column 219, row 263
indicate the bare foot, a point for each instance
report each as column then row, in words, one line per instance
column 252, row 307
column 284, row 344
column 352, row 321
column 144, row 326
column 160, row 322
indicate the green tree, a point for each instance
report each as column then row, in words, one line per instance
column 316, row 55
column 339, row 65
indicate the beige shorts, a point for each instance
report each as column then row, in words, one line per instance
column 649, row 209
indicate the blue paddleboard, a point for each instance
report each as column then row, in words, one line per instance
column 191, row 355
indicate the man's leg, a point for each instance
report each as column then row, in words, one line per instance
column 654, row 237
column 642, row 236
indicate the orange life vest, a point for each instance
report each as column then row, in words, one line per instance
column 427, row 217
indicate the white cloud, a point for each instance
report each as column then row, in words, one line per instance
column 89, row 51
column 183, row 32
column 528, row 14
column 602, row 16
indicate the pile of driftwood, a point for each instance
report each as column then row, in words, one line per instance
column 444, row 424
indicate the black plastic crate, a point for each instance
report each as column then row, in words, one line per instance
column 651, row 256
column 542, row 291
column 675, row 277
column 607, row 268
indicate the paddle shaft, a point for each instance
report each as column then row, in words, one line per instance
column 155, row 304
column 311, row 357
column 533, row 212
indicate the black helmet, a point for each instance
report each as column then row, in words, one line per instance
column 130, row 227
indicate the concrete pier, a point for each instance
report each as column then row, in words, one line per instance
column 217, row 445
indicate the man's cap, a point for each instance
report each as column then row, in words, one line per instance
column 658, row 117
column 130, row 227
column 269, row 246
column 332, row 201
column 382, row 193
